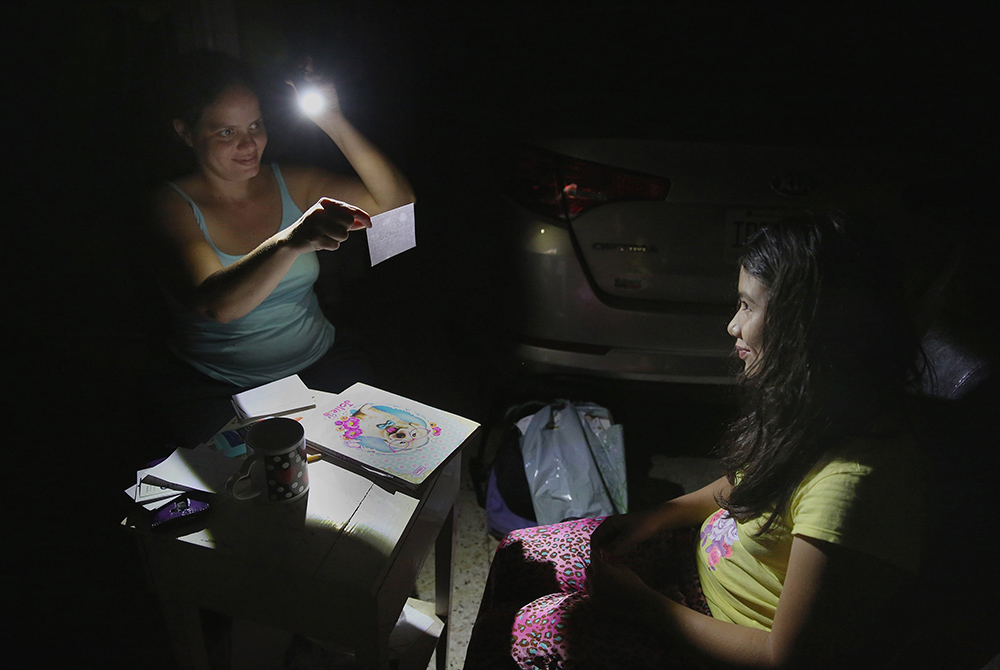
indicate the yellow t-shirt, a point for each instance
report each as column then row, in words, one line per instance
column 869, row 500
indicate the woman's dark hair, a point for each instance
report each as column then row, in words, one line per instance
column 198, row 78
column 838, row 348
column 182, row 89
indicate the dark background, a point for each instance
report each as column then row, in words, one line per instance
column 439, row 88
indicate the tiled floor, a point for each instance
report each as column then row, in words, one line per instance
column 473, row 552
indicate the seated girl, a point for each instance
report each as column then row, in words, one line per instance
column 802, row 553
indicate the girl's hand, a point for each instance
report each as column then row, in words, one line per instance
column 326, row 225
column 311, row 80
column 619, row 534
column 617, row 589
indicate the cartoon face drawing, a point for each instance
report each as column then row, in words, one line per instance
column 386, row 429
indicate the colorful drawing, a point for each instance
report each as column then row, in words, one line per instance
column 385, row 429
column 385, row 433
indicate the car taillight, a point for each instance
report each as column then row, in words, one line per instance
column 564, row 188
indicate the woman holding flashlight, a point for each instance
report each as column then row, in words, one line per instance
column 234, row 247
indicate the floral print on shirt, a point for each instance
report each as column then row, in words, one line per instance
column 718, row 536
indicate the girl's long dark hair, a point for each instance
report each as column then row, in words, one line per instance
column 838, row 350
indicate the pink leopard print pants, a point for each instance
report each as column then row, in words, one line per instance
column 536, row 591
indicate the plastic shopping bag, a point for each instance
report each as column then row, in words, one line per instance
column 574, row 460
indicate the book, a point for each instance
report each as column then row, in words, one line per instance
column 384, row 434
column 277, row 398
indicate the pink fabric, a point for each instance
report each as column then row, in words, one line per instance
column 562, row 630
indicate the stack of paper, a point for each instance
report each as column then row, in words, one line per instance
column 203, row 468
column 283, row 396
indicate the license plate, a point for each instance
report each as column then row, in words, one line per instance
column 740, row 225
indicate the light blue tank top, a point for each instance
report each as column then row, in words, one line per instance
column 279, row 337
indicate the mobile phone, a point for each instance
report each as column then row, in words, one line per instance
column 178, row 508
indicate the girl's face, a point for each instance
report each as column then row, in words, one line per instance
column 747, row 325
column 230, row 137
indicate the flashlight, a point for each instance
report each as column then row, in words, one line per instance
column 311, row 101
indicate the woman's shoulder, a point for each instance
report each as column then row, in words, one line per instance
column 299, row 180
column 868, row 494
column 296, row 175
column 170, row 205
column 173, row 191
column 293, row 170
column 189, row 183
column 888, row 458
column 307, row 184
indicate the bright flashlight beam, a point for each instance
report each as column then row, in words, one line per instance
column 311, row 101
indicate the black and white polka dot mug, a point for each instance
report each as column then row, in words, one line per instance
column 276, row 468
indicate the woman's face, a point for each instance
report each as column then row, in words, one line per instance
column 747, row 325
column 229, row 139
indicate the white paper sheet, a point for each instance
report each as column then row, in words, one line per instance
column 414, row 624
column 150, row 495
column 392, row 233
column 200, row 469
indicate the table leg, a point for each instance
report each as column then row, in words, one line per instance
column 186, row 634
column 371, row 649
column 444, row 551
column 256, row 646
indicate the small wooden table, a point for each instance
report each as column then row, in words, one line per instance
column 336, row 567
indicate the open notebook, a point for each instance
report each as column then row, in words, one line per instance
column 385, row 434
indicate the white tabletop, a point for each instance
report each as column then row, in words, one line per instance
column 342, row 561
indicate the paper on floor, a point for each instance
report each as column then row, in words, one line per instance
column 413, row 624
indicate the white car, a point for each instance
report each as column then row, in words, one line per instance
column 625, row 252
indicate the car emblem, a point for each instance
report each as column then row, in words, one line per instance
column 793, row 185
column 633, row 248
column 631, row 283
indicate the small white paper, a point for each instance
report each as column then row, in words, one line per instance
column 414, row 624
column 145, row 493
column 392, row 233
column 274, row 399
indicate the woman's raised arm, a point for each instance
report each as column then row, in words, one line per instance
column 381, row 185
